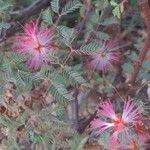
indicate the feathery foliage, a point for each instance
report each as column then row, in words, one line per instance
column 60, row 93
column 68, row 34
column 78, row 141
column 89, row 48
column 4, row 25
column 71, row 6
column 72, row 76
column 47, row 16
column 51, row 107
column 55, row 5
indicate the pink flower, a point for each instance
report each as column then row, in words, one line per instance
column 105, row 57
column 142, row 131
column 37, row 43
column 119, row 123
column 134, row 143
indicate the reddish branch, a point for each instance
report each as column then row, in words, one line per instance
column 145, row 9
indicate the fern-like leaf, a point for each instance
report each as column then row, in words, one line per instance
column 6, row 67
column 55, row 5
column 68, row 34
column 74, row 77
column 4, row 25
column 36, row 138
column 24, row 80
column 71, row 6
column 89, row 48
column 78, row 141
column 6, row 121
column 17, row 57
column 60, row 93
column 47, row 17
column 4, row 6
column 102, row 35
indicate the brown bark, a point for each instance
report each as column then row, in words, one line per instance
column 145, row 9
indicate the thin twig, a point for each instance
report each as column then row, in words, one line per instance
column 80, row 27
column 76, row 93
column 118, row 93
column 85, row 124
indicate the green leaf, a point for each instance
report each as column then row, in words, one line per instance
column 113, row 3
column 94, row 18
column 72, row 76
column 78, row 141
column 6, row 121
column 104, row 140
column 6, row 67
column 82, row 11
column 116, row 11
column 127, row 67
column 109, row 21
column 68, row 34
column 4, row 25
column 55, row 5
column 60, row 111
column 24, row 80
column 60, row 93
column 23, row 117
column 1, row 91
column 17, row 57
column 38, row 75
column 58, row 79
column 146, row 64
column 102, row 35
column 19, row 82
column 90, row 48
column 133, row 56
column 144, row 75
column 11, row 141
column 47, row 17
column 4, row 6
column 36, row 138
column 134, row 4
column 71, row 6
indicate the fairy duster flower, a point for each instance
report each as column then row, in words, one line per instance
column 36, row 42
column 134, row 143
column 119, row 123
column 105, row 57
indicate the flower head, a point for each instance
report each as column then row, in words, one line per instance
column 134, row 143
column 36, row 42
column 105, row 57
column 131, row 111
column 119, row 123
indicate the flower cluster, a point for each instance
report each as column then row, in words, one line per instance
column 123, row 125
column 37, row 43
column 105, row 57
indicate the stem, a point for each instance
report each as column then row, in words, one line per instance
column 56, row 22
column 84, row 124
column 118, row 93
column 80, row 27
column 76, row 109
column 145, row 9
